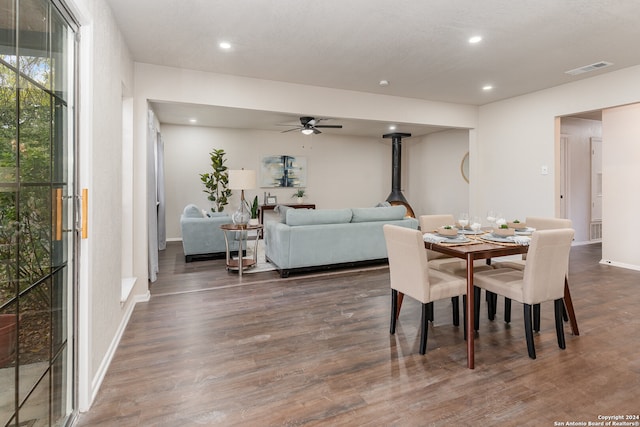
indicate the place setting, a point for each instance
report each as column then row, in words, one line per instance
column 506, row 232
column 457, row 234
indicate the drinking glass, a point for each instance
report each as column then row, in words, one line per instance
column 491, row 218
column 476, row 224
column 463, row 219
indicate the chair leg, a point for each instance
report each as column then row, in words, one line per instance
column 426, row 308
column 528, row 331
column 455, row 307
column 536, row 317
column 394, row 309
column 559, row 306
column 464, row 321
column 476, row 308
column 492, row 301
column 565, row 316
column 431, row 311
column 507, row 310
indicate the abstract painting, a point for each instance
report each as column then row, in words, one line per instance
column 283, row 171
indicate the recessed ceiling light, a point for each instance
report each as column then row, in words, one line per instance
column 193, row 120
column 392, row 127
column 475, row 39
column 384, row 83
column 225, row 45
column 487, row 87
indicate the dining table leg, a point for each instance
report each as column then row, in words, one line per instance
column 470, row 314
column 570, row 311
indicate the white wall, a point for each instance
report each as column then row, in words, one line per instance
column 342, row 171
column 517, row 136
column 620, row 177
column 435, row 184
column 579, row 133
column 105, row 68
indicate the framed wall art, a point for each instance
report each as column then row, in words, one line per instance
column 283, row 171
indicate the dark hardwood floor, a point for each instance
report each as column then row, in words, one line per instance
column 315, row 349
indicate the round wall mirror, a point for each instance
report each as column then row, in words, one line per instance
column 464, row 167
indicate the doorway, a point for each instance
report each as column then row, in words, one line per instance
column 37, row 54
column 581, row 174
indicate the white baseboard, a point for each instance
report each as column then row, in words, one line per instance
column 620, row 264
column 111, row 351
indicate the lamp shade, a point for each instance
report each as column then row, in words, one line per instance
column 241, row 179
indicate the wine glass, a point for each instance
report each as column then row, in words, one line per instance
column 476, row 224
column 463, row 219
column 491, row 217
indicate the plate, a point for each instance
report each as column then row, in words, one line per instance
column 492, row 237
column 525, row 231
column 454, row 239
column 471, row 232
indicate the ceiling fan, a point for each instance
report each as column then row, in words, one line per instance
column 309, row 125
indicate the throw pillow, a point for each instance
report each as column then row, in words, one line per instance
column 384, row 204
column 282, row 211
column 192, row 211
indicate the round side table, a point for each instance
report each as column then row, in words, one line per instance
column 241, row 235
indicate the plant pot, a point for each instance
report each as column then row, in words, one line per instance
column 300, row 200
column 254, row 221
column 8, row 344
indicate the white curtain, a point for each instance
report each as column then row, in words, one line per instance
column 162, row 229
column 152, row 199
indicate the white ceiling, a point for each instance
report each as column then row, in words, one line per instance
column 419, row 46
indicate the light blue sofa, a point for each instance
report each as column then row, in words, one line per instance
column 308, row 239
column 202, row 237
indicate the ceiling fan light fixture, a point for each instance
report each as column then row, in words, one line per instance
column 307, row 131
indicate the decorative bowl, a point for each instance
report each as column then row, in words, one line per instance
column 451, row 231
column 517, row 225
column 503, row 232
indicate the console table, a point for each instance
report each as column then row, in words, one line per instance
column 263, row 208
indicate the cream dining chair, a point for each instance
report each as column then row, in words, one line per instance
column 542, row 279
column 443, row 262
column 539, row 223
column 410, row 275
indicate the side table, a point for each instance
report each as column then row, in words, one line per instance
column 242, row 236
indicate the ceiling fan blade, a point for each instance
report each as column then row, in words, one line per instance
column 329, row 126
column 290, row 130
column 316, row 131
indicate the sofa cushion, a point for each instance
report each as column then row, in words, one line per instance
column 297, row 217
column 192, row 211
column 378, row 214
column 282, row 211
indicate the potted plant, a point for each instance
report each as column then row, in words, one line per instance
column 253, row 210
column 299, row 194
column 216, row 183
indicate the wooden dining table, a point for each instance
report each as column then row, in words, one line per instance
column 487, row 250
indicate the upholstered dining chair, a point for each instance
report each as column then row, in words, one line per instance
column 542, row 279
column 539, row 223
column 443, row 262
column 410, row 275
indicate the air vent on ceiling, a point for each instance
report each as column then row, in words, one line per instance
column 587, row 68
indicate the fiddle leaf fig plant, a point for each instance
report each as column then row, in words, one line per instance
column 216, row 183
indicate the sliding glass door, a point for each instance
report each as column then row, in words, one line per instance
column 36, row 199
